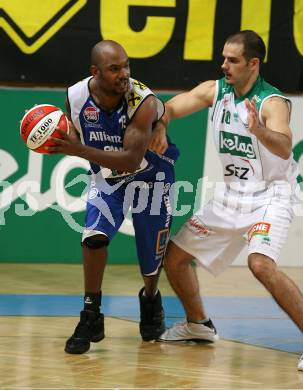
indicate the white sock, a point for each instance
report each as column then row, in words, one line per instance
column 146, row 295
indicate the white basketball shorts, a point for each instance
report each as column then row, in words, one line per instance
column 216, row 234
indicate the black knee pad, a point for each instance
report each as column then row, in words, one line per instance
column 95, row 243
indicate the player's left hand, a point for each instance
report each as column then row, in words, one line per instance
column 68, row 144
column 252, row 117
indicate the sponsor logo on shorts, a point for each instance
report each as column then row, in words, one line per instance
column 91, row 114
column 168, row 207
column 237, row 145
column 197, row 227
column 162, row 241
column 260, row 229
column 266, row 240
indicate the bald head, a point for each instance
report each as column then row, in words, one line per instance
column 104, row 49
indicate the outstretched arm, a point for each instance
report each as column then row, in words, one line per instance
column 189, row 102
column 136, row 140
column 276, row 134
column 179, row 106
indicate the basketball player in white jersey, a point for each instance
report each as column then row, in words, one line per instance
column 254, row 142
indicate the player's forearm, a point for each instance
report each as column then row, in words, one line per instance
column 121, row 161
column 187, row 103
column 277, row 143
column 177, row 107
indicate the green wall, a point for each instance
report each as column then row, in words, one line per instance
column 44, row 236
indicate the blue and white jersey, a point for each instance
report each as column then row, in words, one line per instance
column 105, row 130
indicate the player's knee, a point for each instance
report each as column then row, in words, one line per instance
column 260, row 265
column 171, row 263
column 95, row 242
column 175, row 257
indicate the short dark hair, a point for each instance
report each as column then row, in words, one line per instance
column 253, row 44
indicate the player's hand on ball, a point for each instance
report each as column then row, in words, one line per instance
column 68, row 144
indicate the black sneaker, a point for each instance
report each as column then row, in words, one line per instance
column 90, row 328
column 152, row 323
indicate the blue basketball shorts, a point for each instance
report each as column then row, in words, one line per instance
column 150, row 198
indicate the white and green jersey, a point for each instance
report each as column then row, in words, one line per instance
column 245, row 159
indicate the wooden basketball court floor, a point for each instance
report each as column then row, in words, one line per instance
column 39, row 304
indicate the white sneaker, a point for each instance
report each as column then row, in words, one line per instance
column 300, row 364
column 190, row 331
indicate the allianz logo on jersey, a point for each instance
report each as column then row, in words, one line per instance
column 237, row 145
column 103, row 136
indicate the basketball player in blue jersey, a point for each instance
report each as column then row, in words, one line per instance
column 112, row 118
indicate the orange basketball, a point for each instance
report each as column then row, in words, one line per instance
column 39, row 123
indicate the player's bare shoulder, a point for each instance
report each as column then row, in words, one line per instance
column 148, row 109
column 276, row 106
column 276, row 102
